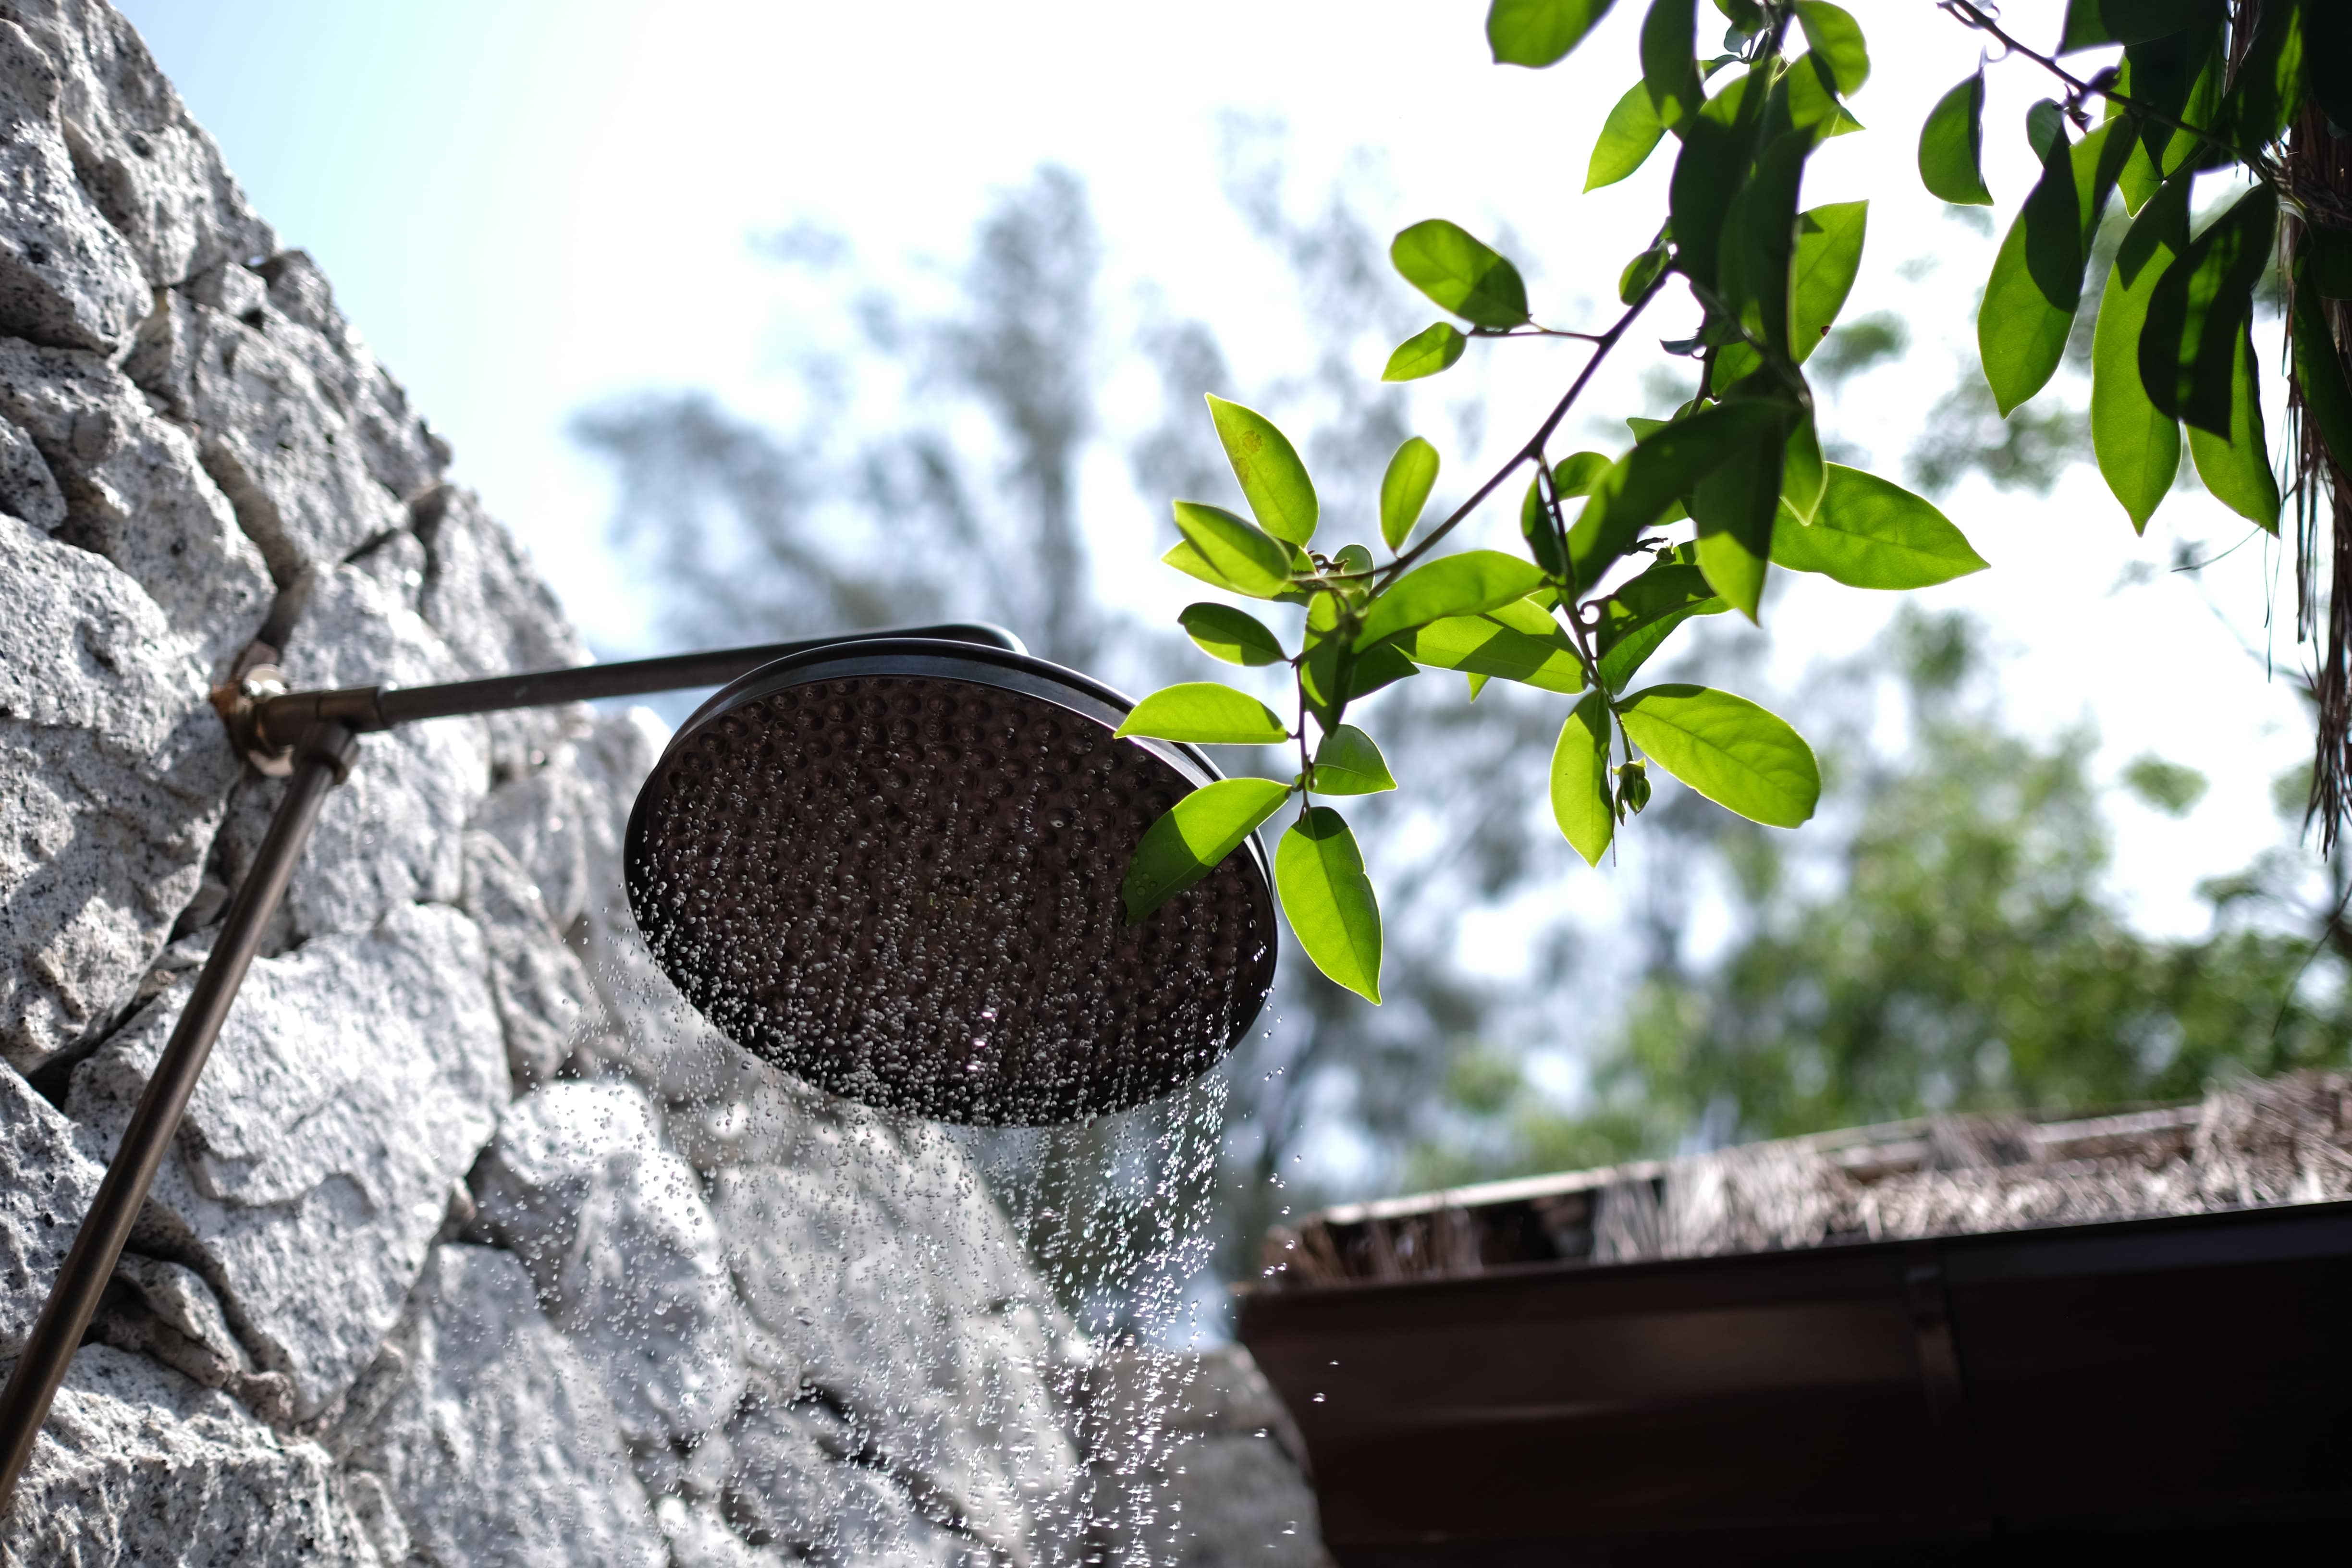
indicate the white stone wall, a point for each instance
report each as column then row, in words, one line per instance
column 477, row 1246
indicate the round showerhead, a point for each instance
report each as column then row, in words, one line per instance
column 892, row 869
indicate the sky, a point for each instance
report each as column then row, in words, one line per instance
column 529, row 207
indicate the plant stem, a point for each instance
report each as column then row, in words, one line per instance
column 1532, row 451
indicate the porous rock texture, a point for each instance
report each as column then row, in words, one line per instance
column 476, row 1246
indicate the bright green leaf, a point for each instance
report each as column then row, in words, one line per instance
column 1404, row 489
column 1192, row 837
column 1576, row 474
column 1519, row 641
column 2238, row 470
column 1829, row 257
column 1207, row 714
column 1814, row 106
column 2037, row 280
column 1803, row 475
column 1836, row 37
column 2137, row 445
column 1538, row 33
column 1426, row 352
column 1235, row 635
column 1272, row 477
column 1347, row 762
column 1737, row 754
column 1642, row 273
column 1236, row 554
column 1952, row 145
column 1329, row 900
column 1869, row 533
column 1580, row 780
column 1669, row 62
column 1445, row 262
column 1463, row 584
column 1628, row 137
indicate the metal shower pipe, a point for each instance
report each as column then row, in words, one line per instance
column 313, row 736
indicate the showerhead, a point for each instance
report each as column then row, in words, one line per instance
column 892, row 869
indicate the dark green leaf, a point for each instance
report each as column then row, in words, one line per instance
column 1229, row 551
column 2328, row 58
column 1836, row 37
column 1638, row 617
column 1580, row 780
column 1628, row 137
column 1717, row 142
column 1329, row 900
column 1734, row 505
column 1273, row 480
column 1829, row 257
column 1466, row 584
column 2266, row 89
column 2137, row 445
column 1426, row 352
column 1952, row 145
column 2045, row 128
column 1193, row 836
column 1872, row 534
column 1538, row 33
column 2189, row 347
column 1446, row 263
column 2090, row 23
column 1669, row 60
column 1642, row 272
column 1759, row 233
column 1543, row 537
column 1347, row 762
column 1207, row 714
column 2319, row 372
column 1377, row 667
column 2238, row 470
column 1235, row 635
column 2329, row 267
column 1518, row 641
column 1404, row 489
column 1732, row 752
column 1664, row 466
column 2037, row 280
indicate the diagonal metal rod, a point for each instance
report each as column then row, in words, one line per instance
column 320, row 730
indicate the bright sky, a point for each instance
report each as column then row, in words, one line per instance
column 528, row 206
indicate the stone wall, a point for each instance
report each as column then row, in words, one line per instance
column 477, row 1246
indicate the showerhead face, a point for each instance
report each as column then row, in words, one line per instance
column 892, row 869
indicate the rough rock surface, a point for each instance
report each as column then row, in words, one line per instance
column 664, row 1309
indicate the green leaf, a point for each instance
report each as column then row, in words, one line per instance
column 1273, row 480
column 1229, row 551
column 1870, row 533
column 2189, row 347
column 1640, row 615
column 1543, row 540
column 1192, row 837
column 1477, row 684
column 1836, row 37
column 1813, row 105
column 1426, row 352
column 1404, row 489
column 1518, row 641
column 1329, row 900
column 1669, row 60
column 1829, row 257
column 1664, row 464
column 1580, row 781
column 1465, row 584
column 2037, row 280
column 1804, row 476
column 1952, row 145
column 1205, row 712
column 1235, row 635
column 1355, row 558
column 2238, row 470
column 1734, row 505
column 1538, row 33
column 1737, row 754
column 1717, row 143
column 2266, row 89
column 1759, row 233
column 1642, row 272
column 1377, row 667
column 2137, row 445
column 2090, row 23
column 2319, row 372
column 1347, row 762
column 1576, row 474
column 1461, row 273
column 1628, row 137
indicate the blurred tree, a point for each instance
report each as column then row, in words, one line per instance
column 1961, row 954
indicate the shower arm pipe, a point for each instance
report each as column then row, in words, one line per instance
column 311, row 738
